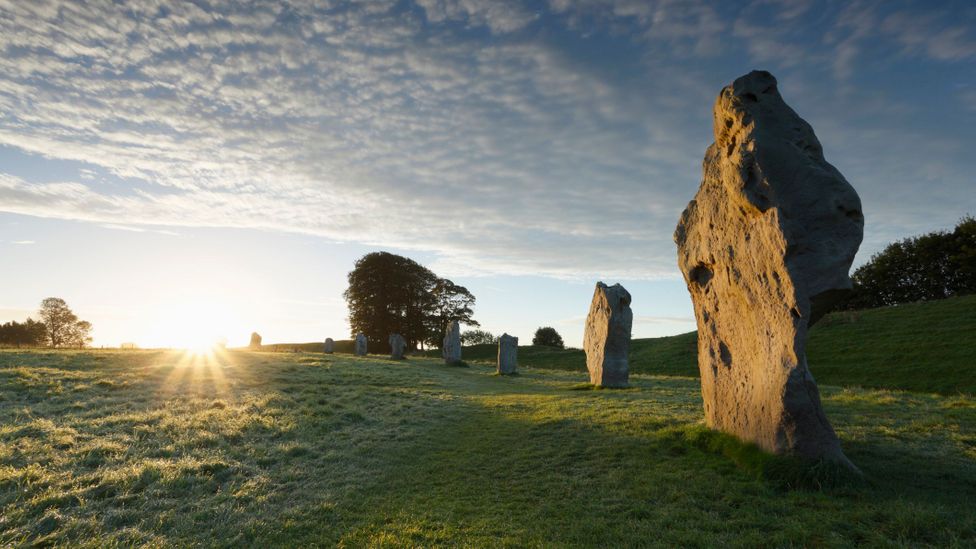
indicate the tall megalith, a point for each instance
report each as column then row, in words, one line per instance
column 397, row 346
column 329, row 345
column 360, row 344
column 507, row 355
column 606, row 338
column 255, row 342
column 765, row 249
column 451, row 348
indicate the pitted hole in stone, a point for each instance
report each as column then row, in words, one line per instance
column 795, row 313
column 728, row 123
column 750, row 97
column 731, row 148
column 701, row 274
column 854, row 215
column 724, row 354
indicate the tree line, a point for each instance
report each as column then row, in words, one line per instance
column 58, row 327
column 936, row 265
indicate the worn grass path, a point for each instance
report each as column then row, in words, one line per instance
column 155, row 448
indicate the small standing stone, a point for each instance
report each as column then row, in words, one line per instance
column 507, row 355
column 607, row 337
column 360, row 344
column 255, row 341
column 329, row 345
column 452, row 343
column 397, row 346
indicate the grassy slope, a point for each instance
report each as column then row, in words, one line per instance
column 928, row 347
column 102, row 448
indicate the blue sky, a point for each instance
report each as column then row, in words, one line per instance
column 244, row 154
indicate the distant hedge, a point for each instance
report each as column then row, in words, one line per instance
column 936, row 265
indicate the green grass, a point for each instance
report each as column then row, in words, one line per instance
column 294, row 449
column 927, row 347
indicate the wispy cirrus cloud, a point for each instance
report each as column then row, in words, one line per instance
column 560, row 139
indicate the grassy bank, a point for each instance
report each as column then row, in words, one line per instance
column 928, row 347
column 100, row 448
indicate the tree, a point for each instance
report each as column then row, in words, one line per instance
column 548, row 337
column 63, row 328
column 79, row 334
column 932, row 266
column 390, row 294
column 451, row 302
column 478, row 337
column 29, row 333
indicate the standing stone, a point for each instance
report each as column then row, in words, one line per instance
column 607, row 336
column 507, row 355
column 329, row 345
column 765, row 248
column 452, row 343
column 255, row 341
column 360, row 345
column 397, row 346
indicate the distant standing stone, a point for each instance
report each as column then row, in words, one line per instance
column 607, row 336
column 360, row 345
column 397, row 346
column 255, row 341
column 329, row 345
column 507, row 355
column 452, row 343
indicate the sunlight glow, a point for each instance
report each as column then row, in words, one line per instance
column 198, row 326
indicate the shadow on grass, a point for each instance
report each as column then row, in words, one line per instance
column 302, row 453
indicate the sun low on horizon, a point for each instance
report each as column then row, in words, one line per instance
column 198, row 326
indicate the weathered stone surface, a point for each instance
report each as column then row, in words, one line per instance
column 255, row 341
column 765, row 247
column 451, row 349
column 360, row 344
column 397, row 346
column 329, row 345
column 606, row 339
column 507, row 354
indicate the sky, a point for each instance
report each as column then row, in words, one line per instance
column 209, row 168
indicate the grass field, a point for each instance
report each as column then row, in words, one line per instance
column 275, row 449
column 927, row 347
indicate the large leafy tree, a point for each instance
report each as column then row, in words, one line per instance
column 548, row 337
column 389, row 294
column 450, row 302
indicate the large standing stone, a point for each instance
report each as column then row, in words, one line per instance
column 397, row 346
column 507, row 355
column 607, row 336
column 452, row 343
column 329, row 345
column 360, row 345
column 255, row 341
column 765, row 248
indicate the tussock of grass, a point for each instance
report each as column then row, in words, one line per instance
column 782, row 471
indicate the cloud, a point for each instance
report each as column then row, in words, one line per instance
column 475, row 130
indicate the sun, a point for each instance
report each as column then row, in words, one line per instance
column 198, row 326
